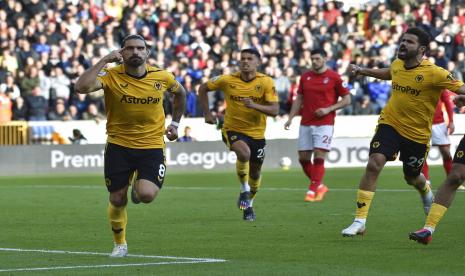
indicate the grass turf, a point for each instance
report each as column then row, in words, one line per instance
column 195, row 216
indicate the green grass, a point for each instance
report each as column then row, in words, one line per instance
column 195, row 216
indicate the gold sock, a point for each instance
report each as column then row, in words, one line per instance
column 435, row 215
column 242, row 170
column 254, row 185
column 118, row 220
column 364, row 199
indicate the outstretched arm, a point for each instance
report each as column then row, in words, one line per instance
column 88, row 81
column 378, row 73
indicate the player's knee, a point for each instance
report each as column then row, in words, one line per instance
column 411, row 180
column 374, row 167
column 455, row 178
column 147, row 196
column 118, row 200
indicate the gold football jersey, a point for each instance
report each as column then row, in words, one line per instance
column 414, row 96
column 238, row 117
column 134, row 106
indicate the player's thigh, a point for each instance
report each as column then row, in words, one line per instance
column 151, row 165
column 322, row 137
column 118, row 167
column 237, row 142
column 305, row 140
column 386, row 141
column 413, row 156
column 440, row 135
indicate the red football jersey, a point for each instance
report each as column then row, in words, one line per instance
column 439, row 114
column 320, row 90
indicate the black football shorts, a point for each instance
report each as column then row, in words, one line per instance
column 459, row 156
column 257, row 146
column 121, row 162
column 389, row 142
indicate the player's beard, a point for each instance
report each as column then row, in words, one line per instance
column 408, row 54
column 135, row 61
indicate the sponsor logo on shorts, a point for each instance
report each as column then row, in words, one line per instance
column 460, row 153
column 375, row 144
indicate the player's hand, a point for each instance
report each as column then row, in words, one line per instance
column 354, row 70
column 171, row 132
column 320, row 112
column 248, row 102
column 287, row 124
column 210, row 118
column 459, row 100
column 114, row 56
column 451, row 127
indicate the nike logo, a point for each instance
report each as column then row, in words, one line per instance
column 116, row 231
column 360, row 205
column 232, row 86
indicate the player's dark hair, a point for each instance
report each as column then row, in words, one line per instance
column 318, row 51
column 423, row 37
column 131, row 37
column 252, row 51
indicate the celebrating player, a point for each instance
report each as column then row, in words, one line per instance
column 405, row 123
column 135, row 127
column 250, row 97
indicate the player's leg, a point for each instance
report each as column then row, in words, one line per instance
column 383, row 147
column 305, row 151
column 446, row 158
column 257, row 157
column 425, row 170
column 117, row 176
column 444, row 196
column 237, row 142
column 322, row 137
column 151, row 170
column 413, row 155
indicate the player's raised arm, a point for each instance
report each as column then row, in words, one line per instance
column 88, row 81
column 378, row 73
column 203, row 97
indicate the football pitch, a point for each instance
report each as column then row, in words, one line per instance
column 59, row 226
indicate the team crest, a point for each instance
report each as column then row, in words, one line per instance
column 451, row 77
column 375, row 144
column 258, row 88
column 108, row 182
column 326, row 80
column 419, row 78
column 234, row 137
column 460, row 153
column 157, row 85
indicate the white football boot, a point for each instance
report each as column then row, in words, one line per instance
column 119, row 250
column 356, row 228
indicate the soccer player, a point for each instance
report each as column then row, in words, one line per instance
column 134, row 153
column 441, row 131
column 446, row 192
column 405, row 122
column 250, row 96
column 317, row 100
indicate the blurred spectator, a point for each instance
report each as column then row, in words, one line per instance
column 60, row 112
column 5, row 107
column 19, row 110
column 93, row 113
column 29, row 81
column 187, row 135
column 9, row 87
column 37, row 105
column 379, row 92
column 364, row 106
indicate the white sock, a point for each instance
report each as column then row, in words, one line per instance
column 431, row 229
column 245, row 187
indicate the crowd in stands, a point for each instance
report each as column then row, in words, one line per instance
column 45, row 45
